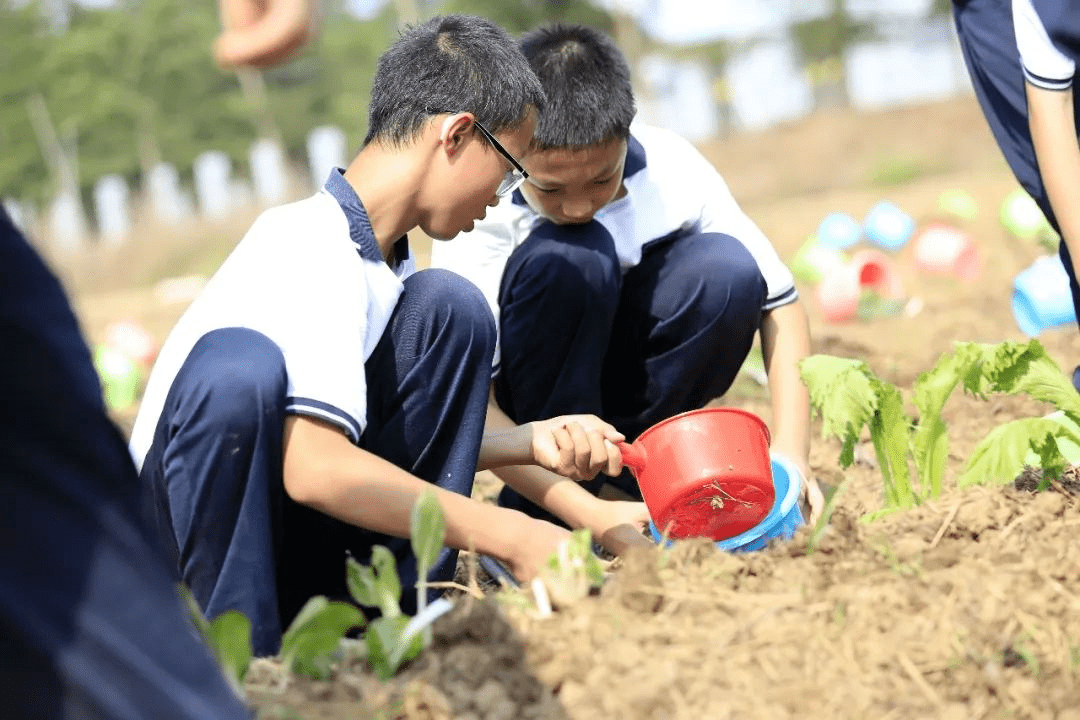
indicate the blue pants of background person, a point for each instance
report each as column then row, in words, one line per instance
column 213, row 476
column 578, row 336
column 985, row 29
column 91, row 625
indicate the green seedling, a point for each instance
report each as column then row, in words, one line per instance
column 310, row 643
column 427, row 531
column 823, row 521
column 911, row 452
column 394, row 639
column 573, row 570
column 229, row 638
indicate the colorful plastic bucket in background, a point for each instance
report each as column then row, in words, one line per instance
column 888, row 226
column 130, row 338
column 838, row 231
column 814, row 261
column 119, row 376
column 1041, row 296
column 704, row 473
column 944, row 250
column 784, row 518
column 1023, row 217
column 958, row 204
column 869, row 270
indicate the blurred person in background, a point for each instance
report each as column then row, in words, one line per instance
column 1021, row 55
column 626, row 280
column 91, row 625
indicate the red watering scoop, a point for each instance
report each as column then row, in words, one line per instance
column 704, row 473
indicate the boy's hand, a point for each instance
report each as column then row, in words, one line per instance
column 538, row 540
column 262, row 32
column 812, row 498
column 576, row 446
column 619, row 525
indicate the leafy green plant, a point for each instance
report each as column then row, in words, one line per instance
column 229, row 638
column 849, row 397
column 393, row 638
column 893, row 170
column 312, row 638
column 427, row 532
column 822, row 524
column 573, row 570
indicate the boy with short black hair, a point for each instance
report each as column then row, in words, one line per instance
column 1021, row 56
column 319, row 385
column 625, row 278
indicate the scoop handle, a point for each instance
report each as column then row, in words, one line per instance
column 632, row 456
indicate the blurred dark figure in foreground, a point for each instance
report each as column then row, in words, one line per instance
column 91, row 625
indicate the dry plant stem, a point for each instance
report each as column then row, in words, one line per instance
column 716, row 502
column 920, row 682
column 945, row 525
column 451, row 585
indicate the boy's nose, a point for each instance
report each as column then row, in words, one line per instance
column 578, row 210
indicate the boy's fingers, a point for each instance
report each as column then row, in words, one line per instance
column 598, row 452
column 565, row 445
column 614, row 459
column 260, row 32
column 582, row 448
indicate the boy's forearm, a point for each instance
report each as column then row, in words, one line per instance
column 324, row 471
column 560, row 496
column 1053, row 134
column 505, row 446
column 785, row 336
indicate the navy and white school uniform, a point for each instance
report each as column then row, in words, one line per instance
column 91, row 625
column 1005, row 42
column 646, row 311
column 305, row 318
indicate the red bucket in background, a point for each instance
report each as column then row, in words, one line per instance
column 704, row 473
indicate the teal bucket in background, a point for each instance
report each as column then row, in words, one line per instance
column 781, row 522
column 1041, row 296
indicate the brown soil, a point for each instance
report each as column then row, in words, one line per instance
column 967, row 607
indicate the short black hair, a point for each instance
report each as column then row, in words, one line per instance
column 590, row 100
column 451, row 63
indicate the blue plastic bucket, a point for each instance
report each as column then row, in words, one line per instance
column 838, row 231
column 781, row 522
column 888, row 226
column 1041, row 296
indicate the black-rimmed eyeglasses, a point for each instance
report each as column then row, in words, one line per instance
column 515, row 175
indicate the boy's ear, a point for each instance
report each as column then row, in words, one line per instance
column 456, row 130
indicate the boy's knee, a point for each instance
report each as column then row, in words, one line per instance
column 443, row 299
column 573, row 262
column 732, row 272
column 232, row 371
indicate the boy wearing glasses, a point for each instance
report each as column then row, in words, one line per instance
column 625, row 279
column 318, row 384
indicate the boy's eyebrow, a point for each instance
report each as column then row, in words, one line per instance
column 607, row 172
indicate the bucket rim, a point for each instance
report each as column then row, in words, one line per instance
column 710, row 411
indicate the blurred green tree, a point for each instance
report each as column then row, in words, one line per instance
column 821, row 44
column 23, row 173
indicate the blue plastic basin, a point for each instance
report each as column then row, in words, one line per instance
column 781, row 522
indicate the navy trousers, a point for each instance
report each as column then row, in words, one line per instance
column 90, row 622
column 577, row 336
column 985, row 30
column 213, row 476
